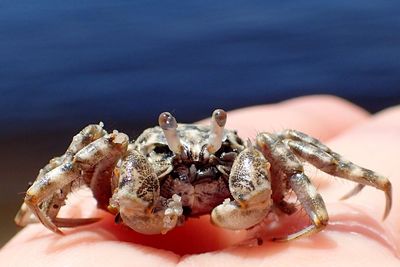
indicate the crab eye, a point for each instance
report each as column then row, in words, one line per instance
column 162, row 149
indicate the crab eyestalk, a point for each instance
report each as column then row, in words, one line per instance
column 169, row 126
column 218, row 121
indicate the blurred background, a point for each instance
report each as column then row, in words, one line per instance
column 65, row 64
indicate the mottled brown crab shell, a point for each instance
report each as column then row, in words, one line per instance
column 200, row 179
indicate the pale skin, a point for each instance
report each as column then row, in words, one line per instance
column 371, row 141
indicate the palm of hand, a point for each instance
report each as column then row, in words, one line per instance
column 371, row 141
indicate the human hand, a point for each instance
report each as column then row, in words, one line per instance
column 355, row 235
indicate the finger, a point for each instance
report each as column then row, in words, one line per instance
column 102, row 244
column 92, row 246
column 335, row 115
column 356, row 233
column 320, row 116
column 374, row 144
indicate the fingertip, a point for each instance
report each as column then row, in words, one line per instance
column 329, row 103
column 321, row 116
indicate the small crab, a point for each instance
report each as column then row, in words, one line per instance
column 173, row 172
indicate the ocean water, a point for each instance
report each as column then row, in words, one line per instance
column 68, row 63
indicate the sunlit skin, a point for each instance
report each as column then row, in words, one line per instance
column 355, row 235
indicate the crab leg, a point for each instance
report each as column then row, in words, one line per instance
column 83, row 138
column 25, row 215
column 300, row 136
column 43, row 188
column 86, row 136
column 218, row 121
column 313, row 204
column 108, row 146
column 289, row 165
column 333, row 164
column 249, row 184
column 63, row 175
column 101, row 180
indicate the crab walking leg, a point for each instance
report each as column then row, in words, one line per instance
column 357, row 189
column 98, row 178
column 46, row 187
column 52, row 206
column 295, row 135
column 25, row 215
column 137, row 198
column 114, row 144
column 218, row 121
column 289, row 165
column 88, row 134
column 249, row 184
column 83, row 138
column 302, row 137
column 313, row 204
column 63, row 175
column 101, row 180
column 53, row 163
column 332, row 163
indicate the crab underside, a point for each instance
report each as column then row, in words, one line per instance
column 173, row 172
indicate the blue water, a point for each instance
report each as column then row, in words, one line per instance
column 68, row 63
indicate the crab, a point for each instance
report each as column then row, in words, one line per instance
column 172, row 172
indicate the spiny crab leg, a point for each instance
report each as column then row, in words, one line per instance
column 353, row 192
column 52, row 204
column 218, row 121
column 43, row 188
column 84, row 138
column 332, row 163
column 25, row 215
column 289, row 165
column 68, row 172
column 169, row 126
